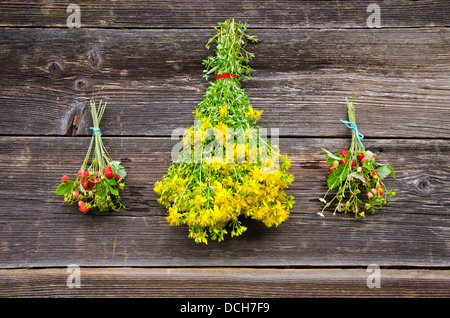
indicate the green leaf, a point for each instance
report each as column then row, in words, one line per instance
column 337, row 176
column 120, row 170
column 330, row 155
column 111, row 181
column 113, row 190
column 385, row 170
column 65, row 188
column 357, row 176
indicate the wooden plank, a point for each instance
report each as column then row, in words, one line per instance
column 189, row 14
column 37, row 230
column 152, row 80
column 224, row 283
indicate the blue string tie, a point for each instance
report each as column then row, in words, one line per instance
column 96, row 129
column 354, row 128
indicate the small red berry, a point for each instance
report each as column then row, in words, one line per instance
column 373, row 172
column 106, row 169
column 84, row 208
column 344, row 161
column 353, row 163
column 80, row 172
column 343, row 152
column 96, row 180
column 380, row 191
column 369, row 194
column 65, row 178
column 75, row 194
column 361, row 156
column 363, row 159
column 109, row 174
column 81, row 203
column 85, row 175
column 85, row 185
column 330, row 168
column 117, row 177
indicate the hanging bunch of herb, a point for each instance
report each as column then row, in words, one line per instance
column 226, row 171
column 356, row 175
column 96, row 185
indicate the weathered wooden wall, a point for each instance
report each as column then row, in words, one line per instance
column 145, row 59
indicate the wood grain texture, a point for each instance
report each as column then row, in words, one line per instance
column 399, row 77
column 145, row 59
column 200, row 14
column 224, row 283
column 38, row 230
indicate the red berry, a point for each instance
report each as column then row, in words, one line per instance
column 106, row 169
column 85, row 185
column 344, row 161
column 117, row 177
column 81, row 203
column 91, row 185
column 373, row 172
column 361, row 156
column 109, row 174
column 84, row 208
column 343, row 152
column 75, row 194
column 80, row 172
column 65, row 178
column 96, row 180
column 330, row 168
column 363, row 159
column 380, row 190
column 353, row 163
column 85, row 175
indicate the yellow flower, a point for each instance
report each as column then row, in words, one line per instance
column 223, row 111
column 174, row 217
column 252, row 114
column 198, row 201
column 158, row 187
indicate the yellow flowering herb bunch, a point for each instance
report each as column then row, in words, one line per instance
column 227, row 169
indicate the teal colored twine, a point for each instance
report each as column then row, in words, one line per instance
column 354, row 128
column 96, row 129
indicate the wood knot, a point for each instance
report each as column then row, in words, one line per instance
column 55, row 68
column 177, row 65
column 94, row 59
column 422, row 186
column 72, row 119
column 82, row 84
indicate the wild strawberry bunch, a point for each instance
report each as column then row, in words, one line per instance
column 226, row 171
column 356, row 175
column 96, row 185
